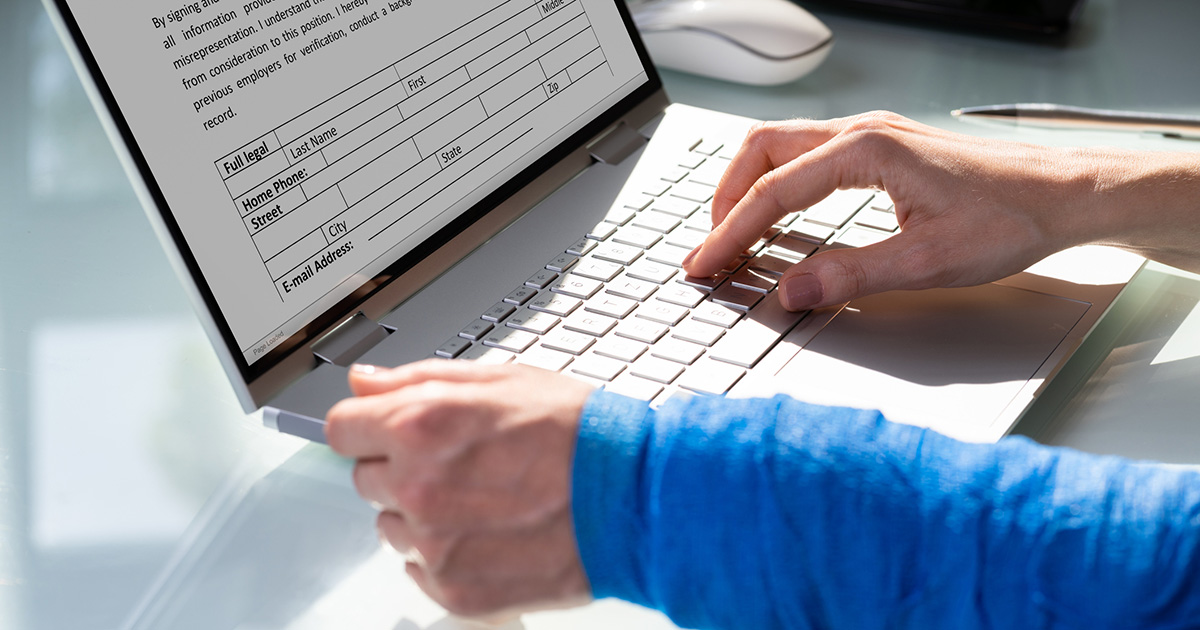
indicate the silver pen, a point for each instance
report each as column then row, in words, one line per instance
column 1070, row 117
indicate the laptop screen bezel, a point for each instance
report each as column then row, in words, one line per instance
column 250, row 372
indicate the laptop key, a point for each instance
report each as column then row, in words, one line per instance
column 650, row 271
column 627, row 287
column 660, row 222
column 708, row 284
column 751, row 338
column 641, row 330
column 675, row 206
column 451, row 349
column 617, row 253
column 528, row 320
column 710, row 174
column 603, row 271
column 626, row 350
column 736, row 297
column 717, row 315
column 562, row 262
column 708, row 147
column 752, row 280
column 602, row 231
column 511, row 339
column 546, row 359
column 521, row 296
column 634, row 387
column 656, row 189
column 811, row 232
column 554, row 304
column 569, row 342
column 877, row 219
column 577, row 286
column 581, row 247
column 636, row 237
column 861, row 237
column 656, row 369
column 691, row 191
column 541, row 279
column 598, row 367
column 674, row 175
column 668, row 254
column 793, row 247
column 711, row 377
column 476, row 330
column 836, row 209
column 639, row 202
column 769, row 264
column 662, row 312
column 498, row 312
column 699, row 222
column 590, row 323
column 682, row 295
column 677, row 350
column 686, row 238
column 620, row 216
column 698, row 332
column 487, row 355
column 610, row 305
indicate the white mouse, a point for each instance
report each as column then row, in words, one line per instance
column 757, row 42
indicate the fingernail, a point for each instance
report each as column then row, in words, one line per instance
column 802, row 292
column 367, row 370
column 688, row 260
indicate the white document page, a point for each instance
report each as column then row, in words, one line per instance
column 304, row 146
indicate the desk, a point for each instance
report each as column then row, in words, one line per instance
column 135, row 494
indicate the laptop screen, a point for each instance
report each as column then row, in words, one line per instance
column 299, row 149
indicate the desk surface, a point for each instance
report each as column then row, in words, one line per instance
column 133, row 491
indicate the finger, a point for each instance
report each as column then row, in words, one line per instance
column 368, row 380
column 430, row 552
column 393, row 528
column 371, row 480
column 904, row 261
column 790, row 188
column 421, row 418
column 767, row 146
column 356, row 427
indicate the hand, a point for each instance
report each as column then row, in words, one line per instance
column 471, row 469
column 971, row 210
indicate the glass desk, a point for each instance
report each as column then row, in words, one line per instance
column 134, row 493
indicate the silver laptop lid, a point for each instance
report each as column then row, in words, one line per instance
column 301, row 155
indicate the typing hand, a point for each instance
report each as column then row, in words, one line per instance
column 471, row 469
column 971, row 210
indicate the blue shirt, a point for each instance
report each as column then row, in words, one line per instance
column 773, row 513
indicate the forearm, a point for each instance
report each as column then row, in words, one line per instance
column 774, row 513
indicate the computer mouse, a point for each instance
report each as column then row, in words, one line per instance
column 756, row 42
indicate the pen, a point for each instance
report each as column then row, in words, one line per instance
column 1070, row 117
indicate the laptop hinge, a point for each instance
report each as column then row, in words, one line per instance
column 350, row 340
column 619, row 143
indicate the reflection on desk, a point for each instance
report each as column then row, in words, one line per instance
column 297, row 549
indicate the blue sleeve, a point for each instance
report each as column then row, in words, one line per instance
column 773, row 513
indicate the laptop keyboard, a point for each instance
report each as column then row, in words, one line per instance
column 616, row 309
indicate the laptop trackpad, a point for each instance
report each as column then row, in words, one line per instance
column 933, row 357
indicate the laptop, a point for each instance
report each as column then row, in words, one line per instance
column 385, row 181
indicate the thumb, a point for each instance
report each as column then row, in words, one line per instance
column 837, row 276
column 370, row 380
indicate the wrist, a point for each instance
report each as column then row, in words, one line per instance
column 1141, row 201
